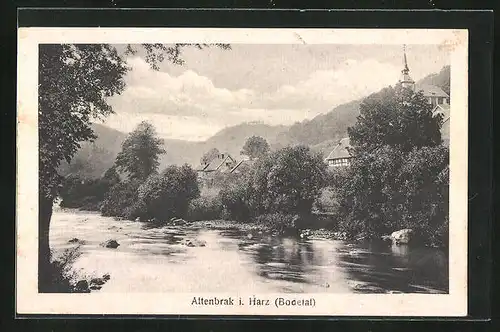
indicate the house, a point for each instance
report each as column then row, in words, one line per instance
column 340, row 155
column 444, row 111
column 221, row 163
column 242, row 166
column 434, row 94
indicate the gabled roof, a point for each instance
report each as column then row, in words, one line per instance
column 443, row 109
column 340, row 150
column 430, row 90
column 445, row 128
column 216, row 164
column 241, row 164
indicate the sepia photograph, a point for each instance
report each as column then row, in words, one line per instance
column 228, row 173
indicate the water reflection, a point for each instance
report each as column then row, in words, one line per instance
column 151, row 257
column 381, row 268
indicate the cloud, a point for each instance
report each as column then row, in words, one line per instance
column 189, row 106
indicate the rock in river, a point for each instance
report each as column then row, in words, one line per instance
column 402, row 236
column 75, row 240
column 193, row 243
column 110, row 244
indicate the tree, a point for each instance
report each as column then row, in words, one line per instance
column 396, row 117
column 398, row 176
column 209, row 156
column 288, row 181
column 75, row 81
column 255, row 147
column 168, row 194
column 140, row 152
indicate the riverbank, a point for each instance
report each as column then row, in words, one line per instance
column 260, row 228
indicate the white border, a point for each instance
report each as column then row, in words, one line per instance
column 29, row 301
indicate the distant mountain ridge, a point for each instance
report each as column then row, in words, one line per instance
column 321, row 133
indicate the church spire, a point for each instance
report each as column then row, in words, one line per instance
column 405, row 69
column 406, row 80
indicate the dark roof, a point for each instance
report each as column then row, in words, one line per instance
column 216, row 163
column 340, row 150
column 241, row 164
column 430, row 90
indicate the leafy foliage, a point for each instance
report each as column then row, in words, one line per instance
column 205, row 208
column 209, row 156
column 140, row 152
column 396, row 117
column 289, row 180
column 168, row 194
column 399, row 177
column 157, row 53
column 87, row 194
column 74, row 82
column 235, row 200
column 120, row 198
column 255, row 147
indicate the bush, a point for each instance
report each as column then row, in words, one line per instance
column 235, row 202
column 388, row 190
column 168, row 194
column 288, row 181
column 119, row 199
column 278, row 222
column 64, row 279
column 205, row 208
column 87, row 194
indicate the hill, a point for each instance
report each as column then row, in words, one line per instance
column 321, row 133
column 94, row 158
column 441, row 79
column 324, row 131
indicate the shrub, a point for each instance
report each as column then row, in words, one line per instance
column 327, row 201
column 64, row 279
column 168, row 194
column 205, row 208
column 278, row 222
column 120, row 197
column 288, row 181
column 87, row 194
column 388, row 190
column 235, row 202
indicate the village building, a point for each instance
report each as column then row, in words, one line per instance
column 434, row 94
column 242, row 166
column 340, row 155
column 444, row 111
column 222, row 163
column 440, row 100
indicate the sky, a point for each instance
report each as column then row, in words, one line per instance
column 272, row 84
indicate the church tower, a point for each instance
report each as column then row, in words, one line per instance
column 405, row 79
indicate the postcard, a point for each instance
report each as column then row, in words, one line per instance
column 214, row 171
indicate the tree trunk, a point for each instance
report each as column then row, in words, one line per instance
column 44, row 267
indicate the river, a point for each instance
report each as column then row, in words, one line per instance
column 152, row 259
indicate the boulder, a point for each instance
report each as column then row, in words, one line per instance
column 193, row 243
column 82, row 286
column 110, row 244
column 75, row 240
column 402, row 236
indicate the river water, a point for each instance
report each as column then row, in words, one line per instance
column 152, row 259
